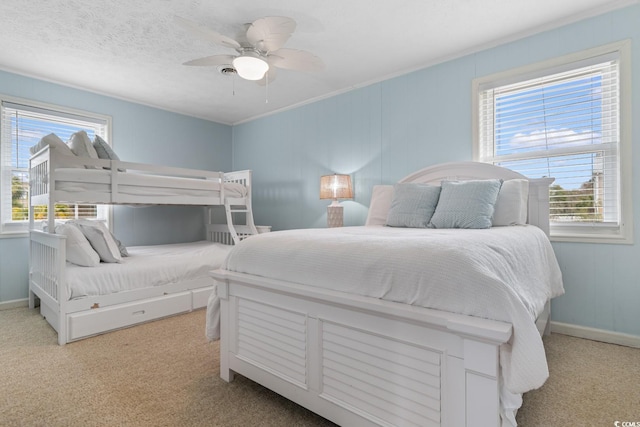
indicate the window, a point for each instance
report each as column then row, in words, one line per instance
column 565, row 119
column 22, row 124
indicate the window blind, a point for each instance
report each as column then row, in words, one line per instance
column 564, row 125
column 21, row 127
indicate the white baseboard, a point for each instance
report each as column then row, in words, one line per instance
column 596, row 334
column 7, row 305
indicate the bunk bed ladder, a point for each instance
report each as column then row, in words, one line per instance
column 248, row 229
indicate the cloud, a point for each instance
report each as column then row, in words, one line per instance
column 552, row 138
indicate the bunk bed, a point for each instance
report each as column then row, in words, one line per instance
column 378, row 325
column 168, row 283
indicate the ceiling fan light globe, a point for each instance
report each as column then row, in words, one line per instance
column 250, row 67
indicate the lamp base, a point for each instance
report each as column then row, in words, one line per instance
column 335, row 215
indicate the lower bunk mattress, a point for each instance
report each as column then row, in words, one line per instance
column 146, row 266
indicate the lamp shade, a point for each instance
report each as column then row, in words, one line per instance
column 250, row 67
column 336, row 187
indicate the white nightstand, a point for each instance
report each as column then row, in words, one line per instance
column 263, row 228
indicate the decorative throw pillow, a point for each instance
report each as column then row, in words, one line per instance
column 412, row 205
column 54, row 142
column 78, row 249
column 81, row 146
column 466, row 204
column 103, row 149
column 511, row 205
column 380, row 204
column 121, row 247
column 100, row 239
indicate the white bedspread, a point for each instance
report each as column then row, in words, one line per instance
column 147, row 266
column 503, row 273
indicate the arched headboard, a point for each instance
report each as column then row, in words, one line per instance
column 538, row 209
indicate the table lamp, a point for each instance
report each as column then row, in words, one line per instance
column 335, row 187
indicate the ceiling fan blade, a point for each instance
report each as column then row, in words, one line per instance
column 209, row 61
column 270, row 75
column 270, row 33
column 206, row 33
column 294, row 59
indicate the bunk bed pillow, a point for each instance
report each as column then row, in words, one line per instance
column 52, row 140
column 380, row 204
column 412, row 205
column 100, row 239
column 466, row 204
column 103, row 149
column 81, row 146
column 511, row 205
column 122, row 248
column 78, row 249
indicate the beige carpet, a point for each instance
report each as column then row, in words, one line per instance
column 165, row 373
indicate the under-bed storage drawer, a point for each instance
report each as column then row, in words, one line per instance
column 86, row 323
column 201, row 297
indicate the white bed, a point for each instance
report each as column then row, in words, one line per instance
column 146, row 266
column 349, row 324
column 56, row 177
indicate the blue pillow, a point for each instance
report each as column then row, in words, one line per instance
column 412, row 205
column 103, row 149
column 466, row 204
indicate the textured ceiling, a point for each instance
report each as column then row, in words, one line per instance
column 133, row 49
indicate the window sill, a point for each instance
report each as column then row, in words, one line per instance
column 591, row 238
column 14, row 234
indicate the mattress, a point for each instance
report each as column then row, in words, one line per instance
column 77, row 180
column 502, row 273
column 147, row 266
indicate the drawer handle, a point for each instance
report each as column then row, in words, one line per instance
column 137, row 313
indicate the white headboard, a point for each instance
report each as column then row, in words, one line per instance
column 538, row 209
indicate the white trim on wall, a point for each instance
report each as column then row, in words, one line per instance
column 594, row 334
column 16, row 303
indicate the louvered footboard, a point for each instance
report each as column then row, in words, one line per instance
column 357, row 361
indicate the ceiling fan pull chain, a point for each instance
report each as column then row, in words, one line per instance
column 266, row 89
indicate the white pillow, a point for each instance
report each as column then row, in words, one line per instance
column 100, row 239
column 53, row 141
column 78, row 249
column 381, row 197
column 82, row 146
column 512, row 204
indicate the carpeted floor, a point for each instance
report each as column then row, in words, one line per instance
column 165, row 373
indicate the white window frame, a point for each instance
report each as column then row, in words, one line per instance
column 577, row 232
column 10, row 228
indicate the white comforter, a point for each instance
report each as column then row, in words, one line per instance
column 147, row 266
column 503, row 273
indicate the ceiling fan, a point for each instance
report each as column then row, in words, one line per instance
column 259, row 52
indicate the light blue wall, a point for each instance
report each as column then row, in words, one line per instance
column 385, row 131
column 140, row 134
column 379, row 134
